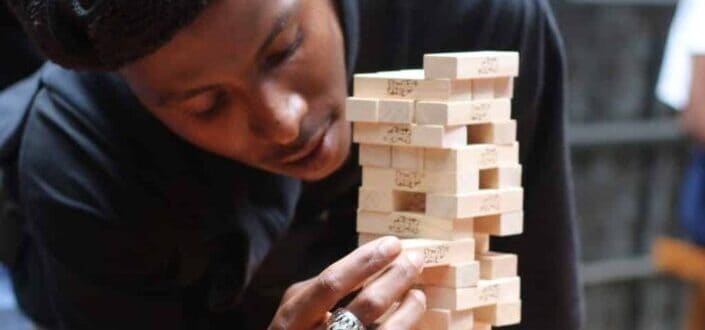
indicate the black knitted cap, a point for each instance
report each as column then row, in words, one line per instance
column 102, row 34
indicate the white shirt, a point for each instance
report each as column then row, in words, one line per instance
column 685, row 39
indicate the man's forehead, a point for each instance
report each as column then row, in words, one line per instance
column 226, row 37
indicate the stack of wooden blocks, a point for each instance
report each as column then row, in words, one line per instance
column 441, row 171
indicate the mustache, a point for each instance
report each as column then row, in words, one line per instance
column 307, row 131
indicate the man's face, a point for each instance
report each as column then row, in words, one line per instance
column 260, row 82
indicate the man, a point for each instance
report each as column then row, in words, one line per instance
column 681, row 86
column 159, row 187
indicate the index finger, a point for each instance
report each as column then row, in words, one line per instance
column 344, row 276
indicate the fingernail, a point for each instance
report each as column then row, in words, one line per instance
column 415, row 259
column 389, row 246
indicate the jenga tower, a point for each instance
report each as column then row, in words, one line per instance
column 440, row 169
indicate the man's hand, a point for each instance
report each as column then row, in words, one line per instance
column 693, row 119
column 306, row 305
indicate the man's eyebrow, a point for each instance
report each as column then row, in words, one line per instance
column 279, row 24
column 173, row 97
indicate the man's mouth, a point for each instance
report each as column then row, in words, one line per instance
column 309, row 148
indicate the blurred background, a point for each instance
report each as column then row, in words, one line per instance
column 628, row 157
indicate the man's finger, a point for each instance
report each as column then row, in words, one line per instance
column 379, row 295
column 338, row 280
column 408, row 314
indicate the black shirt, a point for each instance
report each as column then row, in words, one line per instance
column 127, row 226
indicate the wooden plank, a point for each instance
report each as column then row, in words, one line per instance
column 441, row 319
column 504, row 88
column 360, row 109
column 482, row 243
column 500, row 315
column 413, row 225
column 436, row 136
column 462, row 112
column 396, row 111
column 475, row 204
column 482, row 156
column 504, row 176
column 441, row 253
column 494, row 265
column 363, row 238
column 407, row 158
column 486, row 293
column 500, row 225
column 503, row 133
column 471, row 65
column 483, row 89
column 376, row 200
column 452, row 276
column 410, row 84
column 410, row 135
column 375, row 155
column 421, row 181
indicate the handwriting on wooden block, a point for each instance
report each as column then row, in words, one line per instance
column 436, row 254
column 398, row 135
column 405, row 225
column 489, row 294
column 488, row 65
column 490, row 203
column 408, row 179
column 480, row 111
column 401, row 87
column 488, row 157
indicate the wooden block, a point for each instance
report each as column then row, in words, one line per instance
column 441, row 319
column 409, row 201
column 436, row 136
column 481, row 156
column 396, row 111
column 410, row 84
column 421, row 181
column 375, row 155
column 410, row 135
column 359, row 109
column 483, row 89
column 500, row 315
column 486, row 293
column 376, row 200
column 407, row 158
column 504, row 87
column 481, row 326
column 452, row 276
column 471, row 65
column 440, row 253
column 505, row 176
column 494, row 265
column 482, row 243
column 504, row 133
column 506, row 224
column 475, row 204
column 462, row 112
column 413, row 225
column 363, row 238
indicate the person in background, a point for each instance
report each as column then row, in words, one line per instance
column 186, row 164
column 681, row 86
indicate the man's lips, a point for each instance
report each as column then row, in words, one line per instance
column 307, row 149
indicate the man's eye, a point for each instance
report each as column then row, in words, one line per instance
column 277, row 58
column 206, row 103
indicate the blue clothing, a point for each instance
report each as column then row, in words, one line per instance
column 692, row 203
column 126, row 226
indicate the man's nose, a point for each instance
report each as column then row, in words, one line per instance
column 279, row 116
